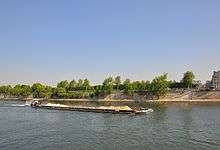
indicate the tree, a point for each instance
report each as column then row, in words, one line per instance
column 144, row 86
column 98, row 90
column 21, row 91
column 63, row 84
column 140, row 86
column 79, row 85
column 38, row 90
column 72, row 85
column 16, row 90
column 108, row 85
column 174, row 84
column 188, row 78
column 86, row 84
column 159, row 86
column 128, row 87
column 5, row 90
column 136, row 85
column 25, row 91
column 117, row 82
column 61, row 92
column 48, row 91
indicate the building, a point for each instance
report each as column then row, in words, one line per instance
column 208, row 84
column 216, row 80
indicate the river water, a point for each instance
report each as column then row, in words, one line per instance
column 174, row 127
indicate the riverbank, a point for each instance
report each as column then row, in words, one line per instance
column 114, row 100
column 172, row 96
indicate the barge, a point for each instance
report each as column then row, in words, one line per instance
column 98, row 109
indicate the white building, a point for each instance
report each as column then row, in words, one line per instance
column 216, row 80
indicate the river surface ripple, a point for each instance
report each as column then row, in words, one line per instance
column 179, row 127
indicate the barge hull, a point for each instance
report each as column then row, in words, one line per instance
column 88, row 109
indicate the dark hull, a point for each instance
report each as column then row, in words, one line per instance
column 88, row 110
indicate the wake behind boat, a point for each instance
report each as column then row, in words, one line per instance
column 144, row 110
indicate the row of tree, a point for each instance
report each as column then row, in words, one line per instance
column 186, row 82
column 159, row 86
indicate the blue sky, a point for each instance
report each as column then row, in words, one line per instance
column 51, row 40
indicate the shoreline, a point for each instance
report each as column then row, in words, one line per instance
column 114, row 100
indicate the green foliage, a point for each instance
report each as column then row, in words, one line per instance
column 108, row 85
column 140, row 86
column 98, row 90
column 188, row 78
column 128, row 87
column 117, row 82
column 176, row 85
column 82, row 88
column 79, row 85
column 41, row 91
column 48, row 91
column 72, row 85
column 61, row 92
column 5, row 90
column 21, row 91
column 63, row 84
column 86, row 85
column 159, row 86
